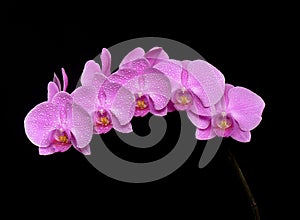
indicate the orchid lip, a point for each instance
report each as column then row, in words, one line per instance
column 183, row 97
column 60, row 138
column 223, row 121
column 141, row 102
column 102, row 118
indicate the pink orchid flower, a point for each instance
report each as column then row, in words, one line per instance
column 151, row 89
column 149, row 86
column 138, row 60
column 237, row 113
column 196, row 86
column 109, row 104
column 57, row 124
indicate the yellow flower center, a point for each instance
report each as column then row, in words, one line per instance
column 184, row 100
column 103, row 121
column 224, row 124
column 141, row 104
column 63, row 139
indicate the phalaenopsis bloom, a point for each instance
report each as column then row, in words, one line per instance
column 236, row 114
column 58, row 123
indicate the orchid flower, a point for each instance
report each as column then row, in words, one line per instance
column 57, row 124
column 104, row 100
column 151, row 89
column 110, row 106
column 196, row 86
column 235, row 115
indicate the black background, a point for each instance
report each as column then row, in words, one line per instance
column 238, row 45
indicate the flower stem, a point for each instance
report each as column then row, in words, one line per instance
column 244, row 184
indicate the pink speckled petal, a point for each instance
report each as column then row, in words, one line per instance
column 122, row 76
column 82, row 128
column 47, row 150
column 85, row 150
column 171, row 68
column 135, row 54
column 103, row 129
column 241, row 136
column 98, row 80
column 90, row 69
column 199, row 121
column 61, row 99
column 246, row 107
column 141, row 112
column 210, row 79
column 138, row 65
column 155, row 55
column 57, row 81
column 205, row 134
column 198, row 107
column 65, row 79
column 123, row 106
column 52, row 90
column 106, row 61
column 223, row 103
column 40, row 121
column 161, row 112
column 126, row 128
column 86, row 96
column 52, row 149
column 107, row 93
column 158, row 87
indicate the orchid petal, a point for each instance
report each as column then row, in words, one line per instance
column 138, row 65
column 133, row 55
column 126, row 128
column 90, row 69
column 57, row 81
column 47, row 150
column 205, row 134
column 123, row 106
column 155, row 55
column 211, row 80
column 246, row 107
column 82, row 128
column 65, row 79
column 103, row 129
column 223, row 103
column 122, row 76
column 106, row 61
column 158, row 87
column 199, row 121
column 39, row 123
column 107, row 93
column 86, row 96
column 241, row 136
column 52, row 90
column 85, row 150
column 171, row 68
column 198, row 107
